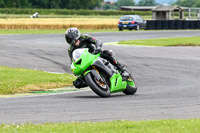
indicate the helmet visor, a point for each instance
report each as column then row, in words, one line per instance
column 70, row 40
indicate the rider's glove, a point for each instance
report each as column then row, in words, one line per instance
column 96, row 51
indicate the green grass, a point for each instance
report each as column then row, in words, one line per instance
column 159, row 126
column 20, row 80
column 60, row 16
column 51, row 31
column 66, row 16
column 57, row 31
column 184, row 41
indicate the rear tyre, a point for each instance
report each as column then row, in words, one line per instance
column 130, row 88
column 99, row 89
column 120, row 29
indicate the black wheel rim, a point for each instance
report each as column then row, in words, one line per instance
column 102, row 86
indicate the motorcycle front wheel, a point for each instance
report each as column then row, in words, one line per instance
column 131, row 87
column 101, row 89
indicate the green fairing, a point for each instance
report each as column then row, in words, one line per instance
column 86, row 61
column 86, row 72
column 117, row 85
column 131, row 83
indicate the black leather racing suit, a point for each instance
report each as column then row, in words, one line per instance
column 86, row 41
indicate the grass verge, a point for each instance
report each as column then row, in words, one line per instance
column 59, row 16
column 159, row 126
column 184, row 41
column 51, row 31
column 146, row 17
column 20, row 80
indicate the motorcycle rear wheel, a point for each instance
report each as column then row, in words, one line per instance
column 130, row 88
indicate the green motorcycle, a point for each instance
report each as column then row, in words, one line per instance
column 100, row 75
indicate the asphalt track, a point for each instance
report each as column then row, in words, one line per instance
column 168, row 80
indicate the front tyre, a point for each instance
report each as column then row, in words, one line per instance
column 99, row 89
column 130, row 88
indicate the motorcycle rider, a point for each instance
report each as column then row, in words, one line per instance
column 77, row 40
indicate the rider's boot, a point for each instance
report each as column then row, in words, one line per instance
column 120, row 67
column 122, row 70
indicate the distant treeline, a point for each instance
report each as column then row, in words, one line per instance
column 69, row 4
column 87, row 4
column 188, row 3
column 69, row 12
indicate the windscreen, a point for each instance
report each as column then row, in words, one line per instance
column 77, row 53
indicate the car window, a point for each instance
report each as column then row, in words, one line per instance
column 140, row 19
column 136, row 17
column 126, row 18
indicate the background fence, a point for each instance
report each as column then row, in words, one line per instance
column 172, row 24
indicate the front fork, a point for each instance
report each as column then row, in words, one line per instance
column 96, row 74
